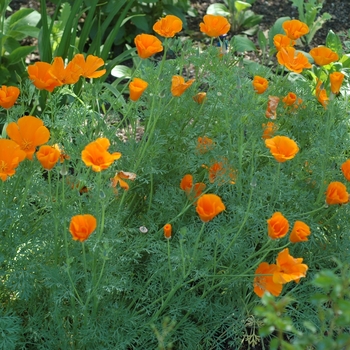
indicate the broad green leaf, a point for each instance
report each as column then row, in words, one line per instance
column 242, row 5
column 218, row 10
column 333, row 42
column 262, row 40
column 28, row 31
column 19, row 54
column 121, row 71
column 140, row 21
column 242, row 43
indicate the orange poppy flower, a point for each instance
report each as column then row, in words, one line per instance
column 295, row 63
column 48, row 156
column 322, row 55
column 336, row 80
column 39, row 74
column 336, row 193
column 200, row 97
column 120, row 176
column 260, row 84
column 137, row 86
column 280, row 41
column 204, row 144
column 208, row 206
column 82, row 226
column 95, row 154
column 147, row 45
column 300, row 232
column 345, row 168
column 269, row 130
column 295, row 29
column 272, row 104
column 192, row 192
column 89, row 66
column 168, row 26
column 289, row 268
column 10, row 156
column 186, row 183
column 29, row 132
column 277, row 226
column 291, row 100
column 282, row 148
column 214, row 26
column 65, row 75
column 263, row 280
column 178, row 85
column 8, row 96
column 167, row 231
column 220, row 172
column 321, row 94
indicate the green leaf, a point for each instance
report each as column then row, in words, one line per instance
column 262, row 40
column 121, row 71
column 28, row 30
column 242, row 43
column 241, row 5
column 19, row 54
column 218, row 10
column 333, row 42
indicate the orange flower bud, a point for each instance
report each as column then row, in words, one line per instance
column 282, row 148
column 214, row 26
column 48, row 156
column 345, row 168
column 167, row 231
column 300, row 232
column 200, row 97
column 208, row 206
column 336, row 193
column 260, row 84
column 147, row 45
column 137, row 87
column 295, row 29
column 322, row 55
column 8, row 96
column 82, row 226
column 277, row 226
column 168, row 26
column 336, row 79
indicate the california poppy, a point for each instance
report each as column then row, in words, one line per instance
column 295, row 29
column 280, row 41
column 82, row 226
column 200, row 97
column 282, row 148
column 322, row 55
column 147, row 45
column 136, row 87
column 95, row 154
column 336, row 80
column 8, row 96
column 269, row 130
column 208, row 206
column 119, row 178
column 221, row 172
column 65, row 75
column 277, row 226
column 263, row 280
column 336, row 193
column 178, row 85
column 293, row 61
column 214, row 26
column 10, row 157
column 29, row 132
column 291, row 100
column 300, row 232
column 48, row 156
column 186, row 183
column 89, row 66
column 260, row 84
column 167, row 229
column 345, row 168
column 289, row 268
column 321, row 94
column 204, row 144
column 272, row 104
column 168, row 26
column 39, row 74
column 192, row 191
